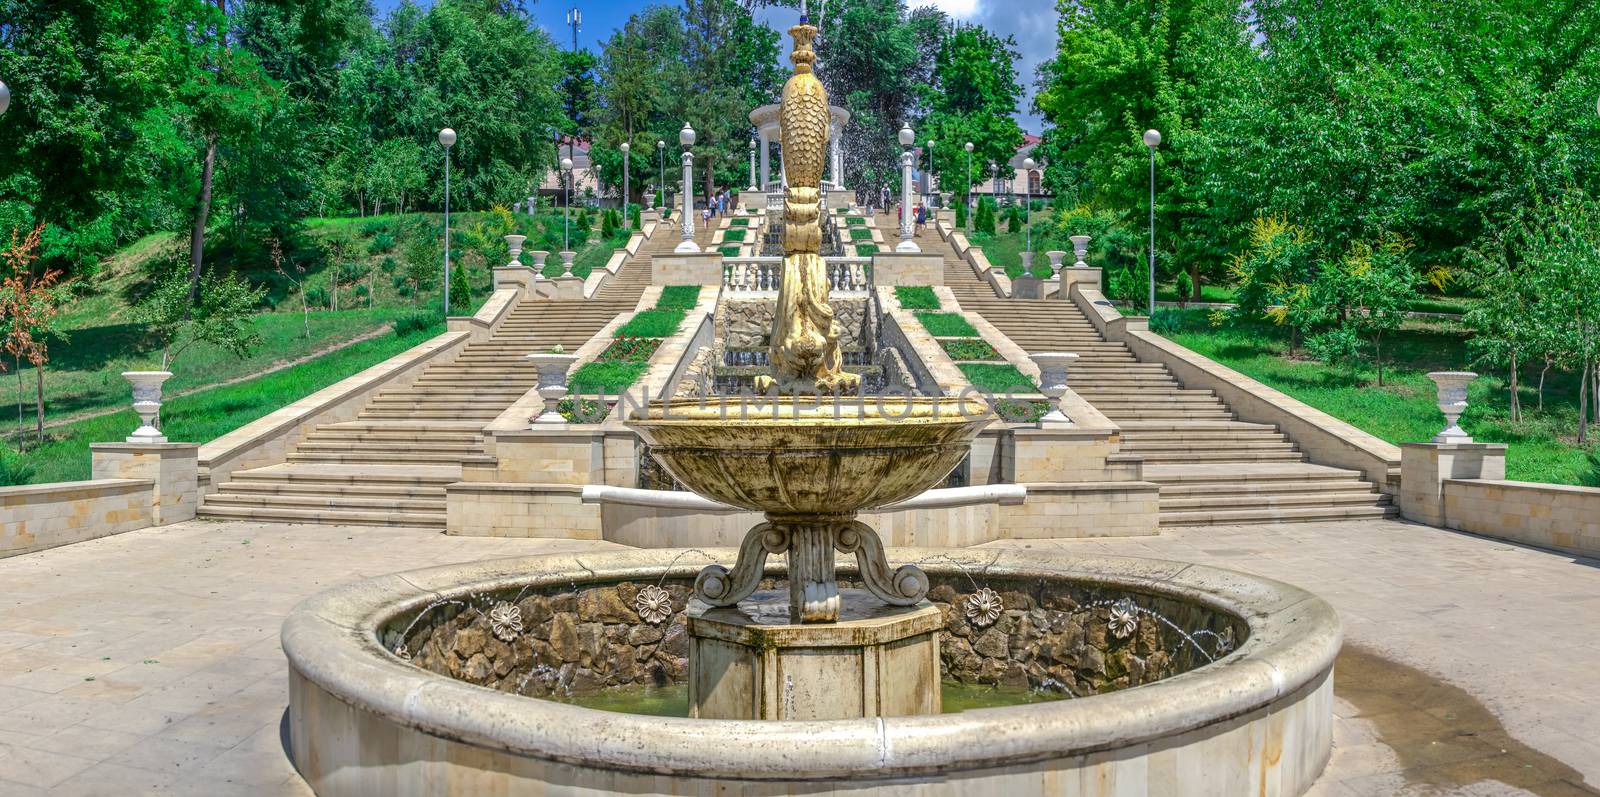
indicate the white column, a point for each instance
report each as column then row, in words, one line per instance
column 836, row 169
column 907, row 221
column 688, row 244
column 766, row 160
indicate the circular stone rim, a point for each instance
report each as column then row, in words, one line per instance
column 331, row 640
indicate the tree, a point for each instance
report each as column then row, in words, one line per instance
column 29, row 303
column 221, row 316
column 973, row 96
column 1365, row 296
column 1272, row 277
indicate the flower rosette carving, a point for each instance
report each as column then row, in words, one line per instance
column 505, row 620
column 983, row 608
column 1124, row 619
column 653, row 604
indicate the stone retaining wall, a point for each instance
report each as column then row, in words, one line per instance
column 34, row 517
column 1558, row 516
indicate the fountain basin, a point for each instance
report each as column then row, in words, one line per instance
column 801, row 456
column 1257, row 721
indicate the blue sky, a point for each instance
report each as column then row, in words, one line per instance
column 1032, row 22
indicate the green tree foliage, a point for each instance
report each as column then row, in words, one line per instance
column 984, row 220
column 220, row 316
column 973, row 96
column 460, row 290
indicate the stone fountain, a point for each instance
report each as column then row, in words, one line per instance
column 811, row 459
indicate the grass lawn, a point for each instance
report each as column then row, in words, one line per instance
column 628, row 357
column 204, row 416
column 1542, row 447
column 969, row 350
column 916, row 297
column 593, row 255
column 947, row 325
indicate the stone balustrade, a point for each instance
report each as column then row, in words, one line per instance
column 764, row 274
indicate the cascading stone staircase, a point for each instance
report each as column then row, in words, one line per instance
column 390, row 465
column 1212, row 468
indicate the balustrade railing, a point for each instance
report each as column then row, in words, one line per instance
column 758, row 274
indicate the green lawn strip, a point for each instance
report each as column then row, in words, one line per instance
column 916, row 297
column 855, row 221
column 860, row 234
column 652, row 324
column 729, row 251
column 970, row 350
column 1004, row 249
column 205, row 416
column 678, row 297
column 627, row 358
column 734, row 235
column 1541, row 448
column 866, row 250
column 1001, row 380
column 946, row 325
column 739, row 222
column 596, row 378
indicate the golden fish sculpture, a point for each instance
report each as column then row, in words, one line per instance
column 804, row 351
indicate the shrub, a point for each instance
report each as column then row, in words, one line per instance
column 382, row 242
column 969, row 350
column 388, row 265
column 1014, row 218
column 633, row 216
column 414, row 322
column 317, row 297
column 916, row 297
column 984, row 221
column 15, row 470
column 1037, row 204
column 1166, row 321
column 375, row 227
column 460, row 290
column 608, row 228
column 961, row 215
column 946, row 325
column 1184, row 287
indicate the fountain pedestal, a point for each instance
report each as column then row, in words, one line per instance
column 748, row 662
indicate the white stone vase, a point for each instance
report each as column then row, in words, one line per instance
column 1053, row 367
column 553, row 370
column 539, row 256
column 147, row 402
column 1027, row 263
column 1452, row 402
column 1056, row 257
column 566, row 263
column 515, row 244
column 1080, row 250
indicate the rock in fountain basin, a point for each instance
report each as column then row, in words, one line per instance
column 363, row 721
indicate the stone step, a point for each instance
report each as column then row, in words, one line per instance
column 334, row 517
column 432, row 505
column 388, row 457
column 1274, row 515
column 335, row 436
column 1268, row 489
column 397, row 491
column 1231, row 455
column 1194, row 426
column 1207, row 437
column 1146, row 447
column 406, row 448
column 1227, row 476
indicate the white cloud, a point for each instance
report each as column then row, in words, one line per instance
column 963, row 10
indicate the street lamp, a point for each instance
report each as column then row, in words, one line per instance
column 686, row 138
column 752, row 188
column 966, row 183
column 627, row 218
column 447, row 139
column 661, row 169
column 5, row 97
column 566, row 204
column 930, row 172
column 1152, row 139
column 907, row 160
column 1027, row 209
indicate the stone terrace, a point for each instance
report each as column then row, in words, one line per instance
column 148, row 663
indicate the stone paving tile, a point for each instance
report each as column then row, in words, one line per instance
column 178, row 628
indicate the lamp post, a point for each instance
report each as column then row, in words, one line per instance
column 966, row 183
column 566, row 204
column 752, row 188
column 447, row 139
column 1152, row 139
column 994, row 182
column 929, row 192
column 661, row 167
column 686, row 138
column 627, row 218
column 1027, row 205
column 907, row 160
column 5, row 97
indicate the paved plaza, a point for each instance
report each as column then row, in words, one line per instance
column 148, row 663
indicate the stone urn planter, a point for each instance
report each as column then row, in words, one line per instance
column 1452, row 402
column 539, row 256
column 1056, row 257
column 553, row 368
column 1027, row 263
column 514, row 242
column 147, row 402
column 566, row 263
column 1080, row 250
column 1053, row 367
